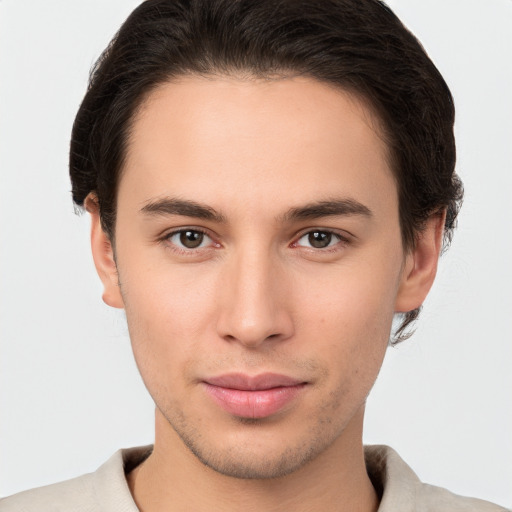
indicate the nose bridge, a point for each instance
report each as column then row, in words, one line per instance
column 252, row 309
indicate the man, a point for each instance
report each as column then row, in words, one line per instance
column 269, row 185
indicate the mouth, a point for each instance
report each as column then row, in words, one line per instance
column 256, row 396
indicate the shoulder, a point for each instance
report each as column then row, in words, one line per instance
column 439, row 499
column 105, row 490
column 76, row 495
column 402, row 490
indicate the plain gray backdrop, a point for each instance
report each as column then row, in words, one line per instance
column 70, row 394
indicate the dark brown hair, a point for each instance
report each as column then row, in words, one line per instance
column 357, row 45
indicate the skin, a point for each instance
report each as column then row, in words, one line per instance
column 256, row 296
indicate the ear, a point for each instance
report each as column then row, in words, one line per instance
column 420, row 265
column 103, row 255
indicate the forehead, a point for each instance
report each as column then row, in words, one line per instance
column 222, row 139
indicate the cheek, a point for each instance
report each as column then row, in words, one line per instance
column 168, row 312
column 352, row 302
column 347, row 325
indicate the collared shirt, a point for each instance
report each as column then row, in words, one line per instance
column 106, row 490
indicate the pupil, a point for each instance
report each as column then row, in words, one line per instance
column 319, row 239
column 191, row 239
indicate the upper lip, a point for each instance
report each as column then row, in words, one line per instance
column 259, row 382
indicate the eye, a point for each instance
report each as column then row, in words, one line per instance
column 189, row 239
column 319, row 239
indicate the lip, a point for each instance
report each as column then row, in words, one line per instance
column 256, row 396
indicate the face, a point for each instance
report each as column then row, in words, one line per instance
column 260, row 263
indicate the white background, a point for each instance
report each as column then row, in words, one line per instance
column 70, row 394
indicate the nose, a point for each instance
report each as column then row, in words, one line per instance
column 254, row 300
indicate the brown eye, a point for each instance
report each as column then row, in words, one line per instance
column 322, row 239
column 319, row 239
column 191, row 239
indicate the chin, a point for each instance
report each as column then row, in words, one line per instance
column 254, row 466
column 257, row 452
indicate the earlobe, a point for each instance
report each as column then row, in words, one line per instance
column 103, row 255
column 420, row 266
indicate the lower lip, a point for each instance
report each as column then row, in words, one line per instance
column 253, row 404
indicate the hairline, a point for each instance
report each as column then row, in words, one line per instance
column 375, row 120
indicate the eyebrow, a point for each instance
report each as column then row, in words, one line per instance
column 330, row 208
column 187, row 208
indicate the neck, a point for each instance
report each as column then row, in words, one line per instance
column 335, row 481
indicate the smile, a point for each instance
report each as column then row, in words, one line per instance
column 253, row 397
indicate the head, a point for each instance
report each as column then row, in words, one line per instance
column 360, row 47
column 181, row 121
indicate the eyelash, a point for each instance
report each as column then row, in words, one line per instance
column 166, row 239
column 343, row 240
